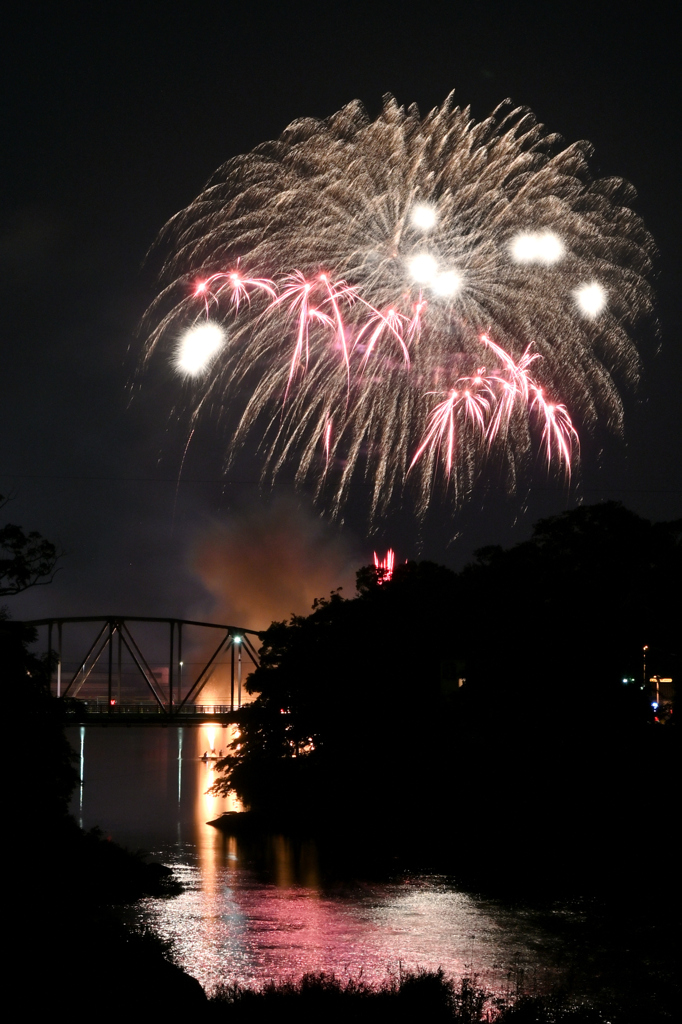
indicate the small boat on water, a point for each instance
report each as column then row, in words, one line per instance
column 210, row 755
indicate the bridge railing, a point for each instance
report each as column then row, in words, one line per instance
column 151, row 709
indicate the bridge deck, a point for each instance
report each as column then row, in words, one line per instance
column 96, row 713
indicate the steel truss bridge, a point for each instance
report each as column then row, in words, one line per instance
column 170, row 694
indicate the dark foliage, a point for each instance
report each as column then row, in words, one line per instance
column 26, row 559
column 42, row 749
column 422, row 995
column 362, row 719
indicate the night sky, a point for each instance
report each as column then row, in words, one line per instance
column 114, row 118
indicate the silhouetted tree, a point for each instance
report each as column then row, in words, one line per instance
column 26, row 559
column 47, row 774
column 360, row 713
column 570, row 610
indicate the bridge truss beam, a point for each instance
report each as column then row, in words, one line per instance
column 115, row 631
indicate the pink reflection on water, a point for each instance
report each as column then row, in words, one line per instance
column 250, row 920
column 242, row 929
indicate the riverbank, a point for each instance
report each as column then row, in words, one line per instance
column 70, row 946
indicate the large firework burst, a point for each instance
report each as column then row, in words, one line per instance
column 402, row 299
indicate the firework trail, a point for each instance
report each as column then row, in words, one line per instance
column 402, row 300
column 177, row 486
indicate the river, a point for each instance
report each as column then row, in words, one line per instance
column 248, row 918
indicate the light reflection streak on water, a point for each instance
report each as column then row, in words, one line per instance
column 81, row 777
column 180, row 737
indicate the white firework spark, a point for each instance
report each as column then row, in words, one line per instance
column 198, row 347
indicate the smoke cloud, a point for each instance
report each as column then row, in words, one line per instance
column 268, row 564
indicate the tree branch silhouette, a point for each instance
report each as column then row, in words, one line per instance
column 26, row 559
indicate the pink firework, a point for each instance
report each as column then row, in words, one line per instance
column 444, row 291
column 487, row 401
column 389, row 324
column 236, row 284
column 483, row 402
column 384, row 566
